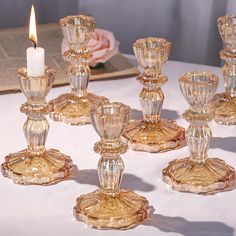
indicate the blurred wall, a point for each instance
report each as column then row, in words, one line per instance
column 15, row 13
column 189, row 24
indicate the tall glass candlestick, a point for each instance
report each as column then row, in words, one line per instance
column 36, row 165
column 224, row 104
column 198, row 173
column 152, row 134
column 73, row 108
column 110, row 206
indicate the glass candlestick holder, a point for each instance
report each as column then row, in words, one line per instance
column 198, row 173
column 152, row 134
column 36, row 165
column 224, row 104
column 73, row 108
column 110, row 206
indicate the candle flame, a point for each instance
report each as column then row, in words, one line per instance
column 32, row 27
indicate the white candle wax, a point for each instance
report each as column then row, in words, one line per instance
column 35, row 61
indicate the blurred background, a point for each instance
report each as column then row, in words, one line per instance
column 189, row 24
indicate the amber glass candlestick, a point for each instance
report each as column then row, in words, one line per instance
column 152, row 134
column 110, row 206
column 73, row 108
column 224, row 104
column 198, row 173
column 36, row 165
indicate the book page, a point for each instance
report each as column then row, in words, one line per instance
column 13, row 45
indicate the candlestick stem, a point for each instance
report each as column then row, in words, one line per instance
column 110, row 171
column 198, row 137
column 79, row 76
column 229, row 73
column 151, row 102
column 36, row 130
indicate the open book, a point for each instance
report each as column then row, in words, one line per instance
column 13, row 45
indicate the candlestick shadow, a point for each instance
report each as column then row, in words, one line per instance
column 129, row 181
column 226, row 143
column 184, row 227
column 165, row 114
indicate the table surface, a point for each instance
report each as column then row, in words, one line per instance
column 47, row 210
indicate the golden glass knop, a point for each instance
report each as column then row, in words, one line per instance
column 152, row 134
column 110, row 206
column 198, row 173
column 224, row 104
column 36, row 165
column 73, row 108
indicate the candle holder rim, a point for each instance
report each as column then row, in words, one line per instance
column 227, row 53
column 222, row 20
column 65, row 20
column 186, row 78
column 22, row 72
column 95, row 110
column 141, row 43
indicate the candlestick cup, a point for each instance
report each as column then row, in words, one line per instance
column 198, row 173
column 73, row 108
column 110, row 206
column 152, row 134
column 36, row 165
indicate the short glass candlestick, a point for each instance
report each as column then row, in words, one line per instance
column 110, row 206
column 198, row 173
column 36, row 165
column 73, row 108
column 224, row 104
column 152, row 134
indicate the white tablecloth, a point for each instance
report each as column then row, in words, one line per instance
column 40, row 210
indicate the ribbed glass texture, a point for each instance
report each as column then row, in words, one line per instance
column 227, row 29
column 73, row 108
column 198, row 89
column 151, row 52
column 198, row 173
column 224, row 104
column 152, row 134
column 110, row 206
column 36, row 165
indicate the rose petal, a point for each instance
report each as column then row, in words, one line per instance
column 103, row 46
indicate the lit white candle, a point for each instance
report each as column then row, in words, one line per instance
column 35, row 55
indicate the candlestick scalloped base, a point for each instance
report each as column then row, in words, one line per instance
column 74, row 110
column 224, row 109
column 160, row 136
column 119, row 211
column 48, row 167
column 211, row 176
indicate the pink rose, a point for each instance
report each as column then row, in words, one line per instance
column 103, row 45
